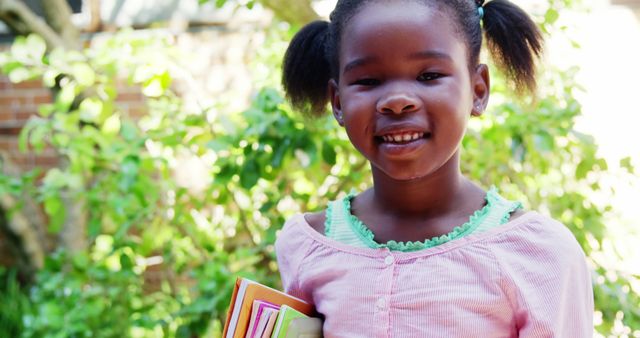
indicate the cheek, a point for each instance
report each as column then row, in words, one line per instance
column 354, row 102
column 358, row 112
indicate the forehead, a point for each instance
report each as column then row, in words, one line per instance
column 400, row 28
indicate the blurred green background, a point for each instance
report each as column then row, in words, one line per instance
column 172, row 160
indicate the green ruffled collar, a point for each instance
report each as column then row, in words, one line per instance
column 367, row 236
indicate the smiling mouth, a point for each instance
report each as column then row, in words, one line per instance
column 403, row 138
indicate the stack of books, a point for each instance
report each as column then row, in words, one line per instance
column 258, row 311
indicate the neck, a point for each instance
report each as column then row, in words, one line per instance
column 433, row 195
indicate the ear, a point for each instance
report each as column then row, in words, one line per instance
column 481, row 87
column 336, row 106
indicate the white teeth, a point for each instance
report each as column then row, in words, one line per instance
column 402, row 137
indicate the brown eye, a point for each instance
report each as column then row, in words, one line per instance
column 367, row 82
column 429, row 76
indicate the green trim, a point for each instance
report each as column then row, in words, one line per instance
column 514, row 206
column 328, row 217
column 365, row 234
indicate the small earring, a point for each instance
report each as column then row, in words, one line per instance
column 477, row 110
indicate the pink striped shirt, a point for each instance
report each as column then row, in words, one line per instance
column 526, row 278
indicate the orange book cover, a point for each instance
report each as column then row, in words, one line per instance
column 233, row 298
column 258, row 291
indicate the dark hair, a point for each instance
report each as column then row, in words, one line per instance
column 513, row 39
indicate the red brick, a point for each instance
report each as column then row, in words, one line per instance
column 23, row 115
column 47, row 161
column 24, row 161
column 42, row 97
column 6, row 115
column 9, row 98
column 8, row 144
column 4, row 82
column 137, row 111
column 130, row 97
column 30, row 84
column 10, row 130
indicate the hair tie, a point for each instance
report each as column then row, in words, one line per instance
column 479, row 3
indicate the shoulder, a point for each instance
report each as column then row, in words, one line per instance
column 545, row 274
column 316, row 220
column 516, row 214
column 540, row 240
column 296, row 231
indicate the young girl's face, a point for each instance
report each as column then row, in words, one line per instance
column 405, row 88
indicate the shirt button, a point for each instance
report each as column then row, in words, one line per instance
column 380, row 304
column 388, row 260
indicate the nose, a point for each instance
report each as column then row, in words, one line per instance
column 398, row 102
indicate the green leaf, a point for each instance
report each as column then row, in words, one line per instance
column 128, row 130
column 29, row 50
column 83, row 74
column 4, row 59
column 250, row 174
column 153, row 88
column 125, row 262
column 20, row 74
column 45, row 110
column 65, row 97
column 90, row 110
column 551, row 16
column 543, row 141
column 112, row 125
column 583, row 168
column 54, row 208
column 602, row 164
column 34, row 133
column 626, row 164
column 49, row 77
column 328, row 153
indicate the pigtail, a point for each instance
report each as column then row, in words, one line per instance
column 306, row 70
column 514, row 41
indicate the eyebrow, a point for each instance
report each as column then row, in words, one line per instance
column 357, row 63
column 431, row 54
column 427, row 54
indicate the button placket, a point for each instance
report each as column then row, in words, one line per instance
column 382, row 305
column 389, row 260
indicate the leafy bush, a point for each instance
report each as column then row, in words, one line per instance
column 14, row 303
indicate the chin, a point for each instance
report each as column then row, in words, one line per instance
column 403, row 175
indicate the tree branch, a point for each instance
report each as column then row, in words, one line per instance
column 95, row 23
column 23, row 21
column 296, row 12
column 58, row 15
column 22, row 226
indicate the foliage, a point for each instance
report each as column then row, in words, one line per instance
column 139, row 216
column 163, row 253
column 12, row 304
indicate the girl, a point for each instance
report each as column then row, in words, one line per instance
column 425, row 252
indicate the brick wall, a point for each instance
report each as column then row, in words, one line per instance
column 19, row 101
